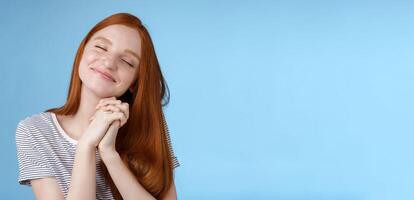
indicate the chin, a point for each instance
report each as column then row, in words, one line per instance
column 100, row 90
column 103, row 94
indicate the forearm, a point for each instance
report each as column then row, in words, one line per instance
column 83, row 180
column 123, row 178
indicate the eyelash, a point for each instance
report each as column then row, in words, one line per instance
column 128, row 63
column 100, row 47
column 122, row 59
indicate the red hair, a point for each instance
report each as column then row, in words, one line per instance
column 142, row 141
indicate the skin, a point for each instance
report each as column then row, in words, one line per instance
column 100, row 115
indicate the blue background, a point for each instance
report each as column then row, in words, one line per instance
column 269, row 99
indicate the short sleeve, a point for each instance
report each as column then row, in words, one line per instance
column 174, row 158
column 32, row 165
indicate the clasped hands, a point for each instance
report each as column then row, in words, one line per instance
column 110, row 114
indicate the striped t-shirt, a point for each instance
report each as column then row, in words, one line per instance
column 44, row 149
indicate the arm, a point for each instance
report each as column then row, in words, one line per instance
column 83, row 180
column 83, row 185
column 83, row 177
column 46, row 189
column 124, row 180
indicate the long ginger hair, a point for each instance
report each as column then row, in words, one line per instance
column 142, row 141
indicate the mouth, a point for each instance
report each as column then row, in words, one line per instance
column 104, row 74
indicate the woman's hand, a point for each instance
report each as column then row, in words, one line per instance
column 99, row 126
column 107, row 144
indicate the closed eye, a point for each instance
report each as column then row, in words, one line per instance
column 100, row 47
column 128, row 63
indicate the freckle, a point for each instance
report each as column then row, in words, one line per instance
column 90, row 57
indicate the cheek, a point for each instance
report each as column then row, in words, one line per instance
column 127, row 76
column 90, row 57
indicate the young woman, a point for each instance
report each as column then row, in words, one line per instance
column 110, row 139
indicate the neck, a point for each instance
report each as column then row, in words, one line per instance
column 86, row 108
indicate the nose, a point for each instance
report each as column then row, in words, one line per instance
column 109, row 62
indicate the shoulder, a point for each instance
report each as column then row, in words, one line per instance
column 34, row 118
column 35, row 123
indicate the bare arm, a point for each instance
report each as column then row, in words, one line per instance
column 83, row 180
column 83, row 183
column 46, row 189
column 124, row 180
column 126, row 183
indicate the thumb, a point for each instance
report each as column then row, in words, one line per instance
column 113, row 128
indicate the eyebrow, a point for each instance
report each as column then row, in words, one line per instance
column 126, row 50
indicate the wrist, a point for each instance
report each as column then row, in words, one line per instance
column 85, row 149
column 83, row 145
column 86, row 141
column 108, row 154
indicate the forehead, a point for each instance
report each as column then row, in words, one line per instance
column 120, row 36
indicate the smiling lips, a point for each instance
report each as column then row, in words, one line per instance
column 104, row 74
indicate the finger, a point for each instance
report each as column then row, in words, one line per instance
column 123, row 120
column 104, row 110
column 116, row 109
column 106, row 99
column 115, row 116
column 114, row 125
column 111, row 108
column 108, row 102
column 112, row 131
column 125, row 110
column 117, row 123
column 124, row 107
